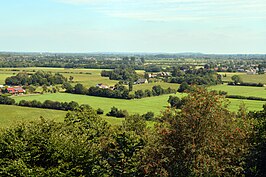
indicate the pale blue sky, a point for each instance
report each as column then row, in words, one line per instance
column 208, row 26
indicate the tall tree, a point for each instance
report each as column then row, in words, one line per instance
column 203, row 139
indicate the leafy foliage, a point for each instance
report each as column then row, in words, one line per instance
column 38, row 78
column 115, row 112
column 203, row 139
column 123, row 73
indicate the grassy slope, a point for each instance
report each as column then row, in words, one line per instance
column 155, row 104
column 12, row 114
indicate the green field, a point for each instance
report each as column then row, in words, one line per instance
column 257, row 78
column 14, row 114
column 251, row 105
column 87, row 77
column 149, row 86
column 141, row 106
column 91, row 77
column 241, row 90
column 155, row 104
column 254, row 78
column 11, row 115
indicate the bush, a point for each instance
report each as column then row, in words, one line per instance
column 251, row 84
column 48, row 104
column 99, row 111
column 175, row 102
column 149, row 115
column 117, row 113
column 6, row 100
column 183, row 87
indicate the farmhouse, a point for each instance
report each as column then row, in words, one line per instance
column 141, row 81
column 102, row 86
column 251, row 71
column 164, row 74
column 160, row 74
column 15, row 90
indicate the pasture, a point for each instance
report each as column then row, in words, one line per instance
column 15, row 114
column 11, row 115
column 141, row 106
column 256, row 78
column 91, row 77
column 87, row 77
column 149, row 86
column 241, row 90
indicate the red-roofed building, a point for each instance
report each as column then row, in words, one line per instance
column 15, row 90
column 11, row 90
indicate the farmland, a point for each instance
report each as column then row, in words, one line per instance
column 91, row 77
column 255, row 78
column 241, row 90
column 141, row 106
column 15, row 114
column 11, row 115
column 154, row 104
column 87, row 77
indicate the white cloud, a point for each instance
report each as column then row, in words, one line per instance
column 176, row 10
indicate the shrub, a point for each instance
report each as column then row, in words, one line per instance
column 117, row 113
column 99, row 111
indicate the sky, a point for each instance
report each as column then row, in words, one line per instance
column 161, row 26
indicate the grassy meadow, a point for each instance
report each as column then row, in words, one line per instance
column 15, row 114
column 91, row 77
column 141, row 106
column 87, row 77
column 256, row 78
column 241, row 90
column 149, row 86
column 11, row 115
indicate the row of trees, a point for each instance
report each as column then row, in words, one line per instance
column 201, row 139
column 194, row 76
column 99, row 61
column 48, row 104
column 39, row 78
column 123, row 73
column 119, row 113
column 209, row 79
column 120, row 91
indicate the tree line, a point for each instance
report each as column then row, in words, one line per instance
column 122, row 73
column 120, row 91
column 39, row 78
column 47, row 104
column 194, row 76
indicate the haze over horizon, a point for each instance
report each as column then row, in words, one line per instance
column 147, row 26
